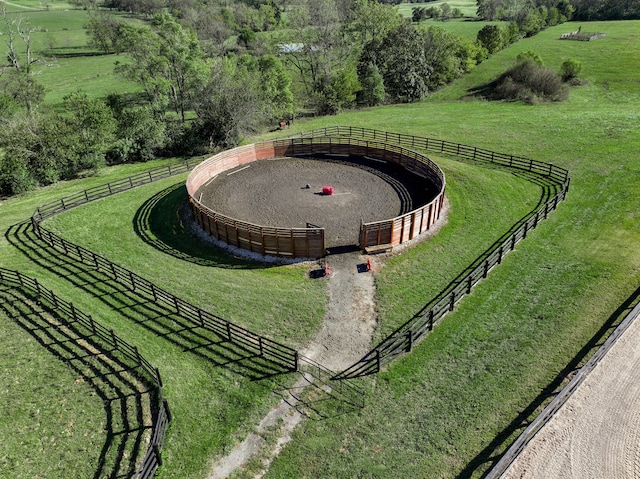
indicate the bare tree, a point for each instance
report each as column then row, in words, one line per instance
column 21, row 60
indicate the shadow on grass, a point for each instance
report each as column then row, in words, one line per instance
column 160, row 222
column 142, row 310
column 492, row 453
column 548, row 189
column 318, row 400
column 126, row 394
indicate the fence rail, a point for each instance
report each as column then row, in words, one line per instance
column 271, row 350
column 107, row 189
column 405, row 338
column 463, row 151
column 563, row 396
column 67, row 312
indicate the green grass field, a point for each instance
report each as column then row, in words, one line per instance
column 37, row 5
column 457, row 401
column 467, row 7
column 67, row 62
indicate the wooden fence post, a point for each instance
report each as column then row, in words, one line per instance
column 469, row 284
column 73, row 312
column 165, row 403
column 486, row 268
column 114, row 339
column 409, row 340
column 135, row 349
column 156, row 452
column 453, row 300
column 158, row 378
column 176, row 304
column 378, row 360
column 431, row 320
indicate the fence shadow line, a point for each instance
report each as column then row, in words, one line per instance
column 154, row 317
column 115, row 382
column 170, row 238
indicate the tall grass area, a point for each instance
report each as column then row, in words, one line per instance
column 452, row 405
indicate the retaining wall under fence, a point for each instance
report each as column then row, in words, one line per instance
column 310, row 242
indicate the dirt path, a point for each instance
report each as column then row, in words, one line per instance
column 345, row 337
column 596, row 433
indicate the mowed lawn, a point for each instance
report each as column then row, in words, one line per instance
column 453, row 404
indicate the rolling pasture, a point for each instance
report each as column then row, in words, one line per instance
column 446, row 410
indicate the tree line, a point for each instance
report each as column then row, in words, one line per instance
column 211, row 74
column 538, row 13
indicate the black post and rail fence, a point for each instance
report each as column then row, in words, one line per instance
column 406, row 337
column 69, row 314
column 398, row 343
column 282, row 356
column 549, row 170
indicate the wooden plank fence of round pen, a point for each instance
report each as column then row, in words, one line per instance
column 405, row 337
column 309, row 242
column 68, row 313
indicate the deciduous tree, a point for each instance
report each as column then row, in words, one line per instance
column 167, row 62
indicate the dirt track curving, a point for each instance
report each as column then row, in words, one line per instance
column 596, row 434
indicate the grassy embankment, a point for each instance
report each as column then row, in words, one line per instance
column 436, row 411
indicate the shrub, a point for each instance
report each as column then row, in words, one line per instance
column 530, row 55
column 491, row 38
column 571, row 68
column 530, row 82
